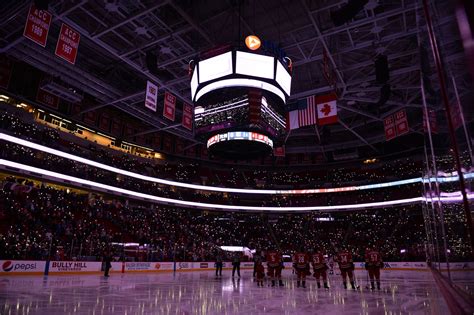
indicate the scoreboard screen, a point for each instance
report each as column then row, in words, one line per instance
column 238, row 136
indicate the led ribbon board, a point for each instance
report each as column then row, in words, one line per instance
column 29, row 144
column 200, row 205
column 239, row 136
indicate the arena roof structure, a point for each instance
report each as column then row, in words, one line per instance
column 117, row 36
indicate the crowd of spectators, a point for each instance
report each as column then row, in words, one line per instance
column 49, row 221
column 187, row 172
column 220, row 113
column 224, row 176
column 44, row 221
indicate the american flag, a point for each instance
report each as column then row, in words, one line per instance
column 308, row 116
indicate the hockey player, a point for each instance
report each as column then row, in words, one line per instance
column 260, row 272
column 301, row 265
column 274, row 264
column 256, row 259
column 373, row 264
column 331, row 264
column 319, row 268
column 346, row 265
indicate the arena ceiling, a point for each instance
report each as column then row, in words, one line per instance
column 116, row 35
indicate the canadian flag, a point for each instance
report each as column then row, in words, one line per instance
column 327, row 109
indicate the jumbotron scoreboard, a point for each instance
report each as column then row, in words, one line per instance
column 239, row 99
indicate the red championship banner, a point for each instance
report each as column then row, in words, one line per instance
column 187, row 116
column 389, row 127
column 169, row 108
column 68, row 44
column 47, row 99
column 37, row 25
column 6, row 67
column 401, row 122
column 433, row 123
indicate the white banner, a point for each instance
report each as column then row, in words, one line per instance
column 25, row 267
column 21, row 267
column 151, row 95
column 148, row 266
column 75, row 266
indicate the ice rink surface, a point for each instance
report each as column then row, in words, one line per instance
column 407, row 292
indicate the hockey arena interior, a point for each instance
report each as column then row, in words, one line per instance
column 236, row 157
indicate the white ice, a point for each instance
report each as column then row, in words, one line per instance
column 408, row 292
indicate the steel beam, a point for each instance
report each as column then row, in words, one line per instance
column 133, row 17
column 358, row 136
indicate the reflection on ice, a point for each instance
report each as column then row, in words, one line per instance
column 201, row 293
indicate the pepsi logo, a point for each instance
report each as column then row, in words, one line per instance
column 7, row 266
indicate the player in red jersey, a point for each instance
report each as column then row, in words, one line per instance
column 346, row 265
column 274, row 264
column 373, row 264
column 301, row 265
column 320, row 268
column 260, row 272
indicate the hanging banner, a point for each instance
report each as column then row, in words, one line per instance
column 187, row 121
column 401, row 122
column 151, row 95
column 68, row 44
column 37, row 25
column 327, row 109
column 169, row 108
column 47, row 99
column 389, row 127
column 433, row 123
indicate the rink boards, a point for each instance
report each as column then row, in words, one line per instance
column 29, row 267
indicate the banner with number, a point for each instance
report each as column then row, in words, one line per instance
column 396, row 125
column 433, row 123
column 37, row 25
column 169, row 108
column 401, row 122
column 68, row 44
column 187, row 116
column 151, row 96
column 389, row 127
